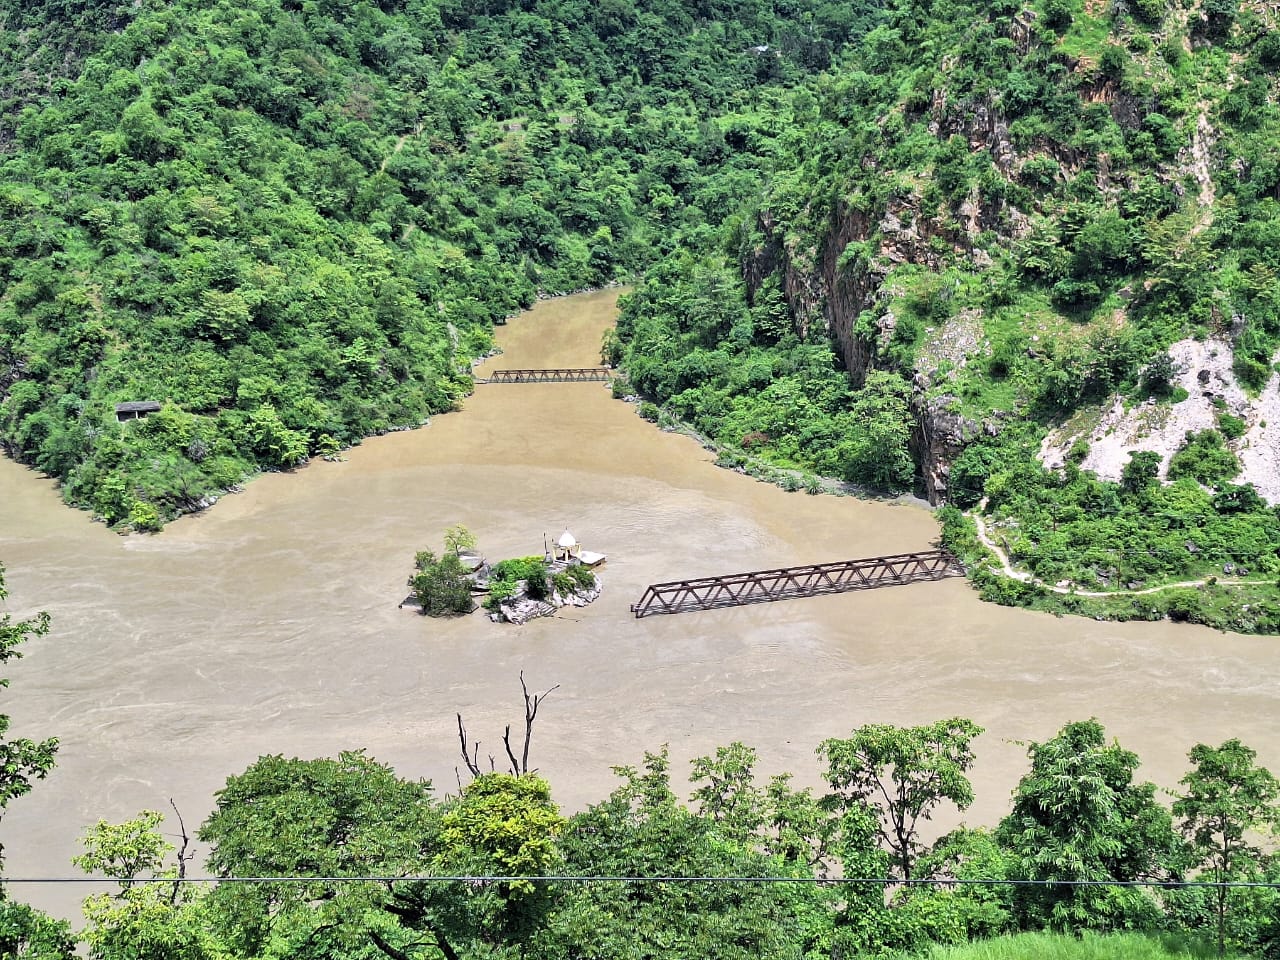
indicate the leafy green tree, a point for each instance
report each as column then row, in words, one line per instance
column 1227, row 799
column 727, row 793
column 902, row 774
column 148, row 920
column 22, row 760
column 441, row 586
column 29, row 934
column 1205, row 458
column 776, row 819
column 344, row 817
column 643, row 830
column 1079, row 815
column 984, row 910
column 504, row 825
column 1142, row 472
column 458, row 538
column 24, row 932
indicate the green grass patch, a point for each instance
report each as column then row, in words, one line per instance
column 1086, row 34
column 1089, row 946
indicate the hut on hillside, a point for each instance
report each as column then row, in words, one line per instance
column 135, row 409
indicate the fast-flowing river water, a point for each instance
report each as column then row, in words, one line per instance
column 269, row 624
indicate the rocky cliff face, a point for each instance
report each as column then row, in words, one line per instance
column 819, row 293
column 829, row 291
column 939, row 436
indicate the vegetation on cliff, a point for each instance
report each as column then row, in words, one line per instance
column 1002, row 221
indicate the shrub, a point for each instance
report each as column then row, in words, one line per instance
column 536, row 585
column 1205, row 458
column 506, row 574
column 1141, row 472
column 518, row 568
column 1150, row 11
column 582, row 575
column 1057, row 15
column 1252, row 373
column 499, row 591
column 1184, row 606
column 1158, row 375
column 1072, row 294
column 144, row 517
column 1231, row 427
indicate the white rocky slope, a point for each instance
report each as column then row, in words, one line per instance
column 1204, row 371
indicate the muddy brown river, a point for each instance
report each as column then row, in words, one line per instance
column 269, row 624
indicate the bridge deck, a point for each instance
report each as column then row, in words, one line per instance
column 551, row 375
column 762, row 586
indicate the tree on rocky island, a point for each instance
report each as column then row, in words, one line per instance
column 458, row 539
column 441, row 585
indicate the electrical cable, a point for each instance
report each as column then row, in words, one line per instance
column 622, row 878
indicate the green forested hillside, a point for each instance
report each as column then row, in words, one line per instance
column 294, row 224
column 1011, row 224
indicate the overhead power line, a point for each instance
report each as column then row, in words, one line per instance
column 595, row 878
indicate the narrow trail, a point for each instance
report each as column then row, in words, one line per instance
column 382, row 168
column 404, row 138
column 1008, row 570
column 394, row 150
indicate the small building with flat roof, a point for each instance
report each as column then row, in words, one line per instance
column 136, row 409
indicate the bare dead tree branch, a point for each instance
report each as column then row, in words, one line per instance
column 519, row 765
column 184, row 857
column 531, row 705
column 506, row 742
column 473, row 764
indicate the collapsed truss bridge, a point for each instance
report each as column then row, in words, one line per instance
column 762, row 586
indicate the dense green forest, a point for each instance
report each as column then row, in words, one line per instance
column 294, row 224
column 345, row 858
column 993, row 223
